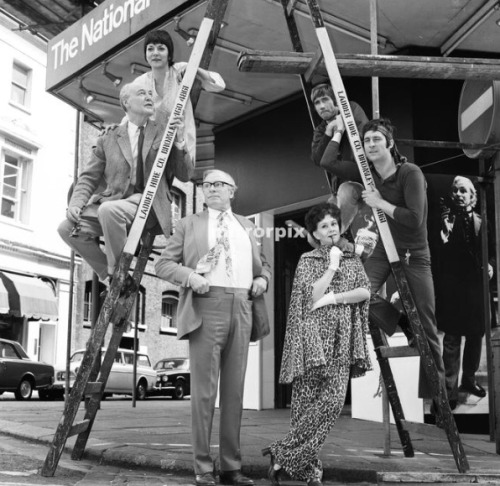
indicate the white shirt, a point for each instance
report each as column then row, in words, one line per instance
column 240, row 249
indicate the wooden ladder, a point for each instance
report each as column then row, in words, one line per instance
column 383, row 351
column 90, row 382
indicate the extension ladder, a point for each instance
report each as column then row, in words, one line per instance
column 383, row 351
column 89, row 382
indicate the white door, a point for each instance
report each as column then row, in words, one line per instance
column 47, row 347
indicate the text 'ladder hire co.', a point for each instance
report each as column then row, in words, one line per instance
column 380, row 341
column 90, row 380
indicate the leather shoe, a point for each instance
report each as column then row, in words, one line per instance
column 236, row 478
column 474, row 389
column 314, row 482
column 205, row 479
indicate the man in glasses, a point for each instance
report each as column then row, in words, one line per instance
column 108, row 191
column 222, row 273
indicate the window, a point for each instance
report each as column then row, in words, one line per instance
column 178, row 206
column 169, row 312
column 15, row 176
column 20, row 88
column 140, row 301
column 7, row 351
column 143, row 360
column 87, row 302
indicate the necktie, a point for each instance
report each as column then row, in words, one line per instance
column 222, row 242
column 139, row 170
column 209, row 261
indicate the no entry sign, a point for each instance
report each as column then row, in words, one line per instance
column 478, row 116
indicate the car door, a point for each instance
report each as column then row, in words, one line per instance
column 117, row 377
column 12, row 367
column 145, row 369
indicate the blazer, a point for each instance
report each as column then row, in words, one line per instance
column 184, row 249
column 107, row 175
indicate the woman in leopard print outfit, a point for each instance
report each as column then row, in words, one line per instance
column 324, row 346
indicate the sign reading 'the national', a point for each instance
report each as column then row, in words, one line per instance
column 107, row 26
column 95, row 30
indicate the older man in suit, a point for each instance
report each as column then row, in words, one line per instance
column 215, row 259
column 119, row 166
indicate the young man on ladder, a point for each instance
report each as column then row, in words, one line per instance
column 400, row 192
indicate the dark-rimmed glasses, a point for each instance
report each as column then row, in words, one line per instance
column 216, row 185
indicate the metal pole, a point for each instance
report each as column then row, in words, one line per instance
column 136, row 327
column 374, row 51
column 486, row 295
column 495, row 335
column 72, row 265
column 386, row 412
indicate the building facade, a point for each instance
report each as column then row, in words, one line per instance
column 37, row 134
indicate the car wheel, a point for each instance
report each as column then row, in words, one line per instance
column 179, row 391
column 24, row 390
column 141, row 390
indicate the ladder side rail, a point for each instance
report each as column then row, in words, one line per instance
column 216, row 11
column 114, row 343
column 77, row 392
column 379, row 342
column 131, row 244
column 168, row 139
column 385, row 234
column 293, row 31
column 304, row 81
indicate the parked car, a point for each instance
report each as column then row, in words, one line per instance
column 20, row 374
column 120, row 380
column 174, row 377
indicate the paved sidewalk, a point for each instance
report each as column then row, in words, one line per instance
column 156, row 434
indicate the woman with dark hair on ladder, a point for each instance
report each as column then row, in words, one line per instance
column 165, row 77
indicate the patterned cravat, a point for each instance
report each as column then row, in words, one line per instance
column 222, row 242
column 211, row 259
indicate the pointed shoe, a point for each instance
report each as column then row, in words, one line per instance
column 272, row 474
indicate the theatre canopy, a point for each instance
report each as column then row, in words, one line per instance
column 89, row 61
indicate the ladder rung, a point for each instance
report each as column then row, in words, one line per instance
column 92, row 388
column 423, row 429
column 398, row 351
column 79, row 427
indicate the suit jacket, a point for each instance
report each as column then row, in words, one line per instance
column 184, row 249
column 107, row 175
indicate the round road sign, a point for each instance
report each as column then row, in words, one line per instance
column 479, row 116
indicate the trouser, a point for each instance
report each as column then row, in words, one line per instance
column 219, row 346
column 419, row 277
column 470, row 361
column 114, row 221
column 317, row 402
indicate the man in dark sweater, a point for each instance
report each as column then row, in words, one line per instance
column 332, row 128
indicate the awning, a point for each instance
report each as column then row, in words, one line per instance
column 30, row 297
